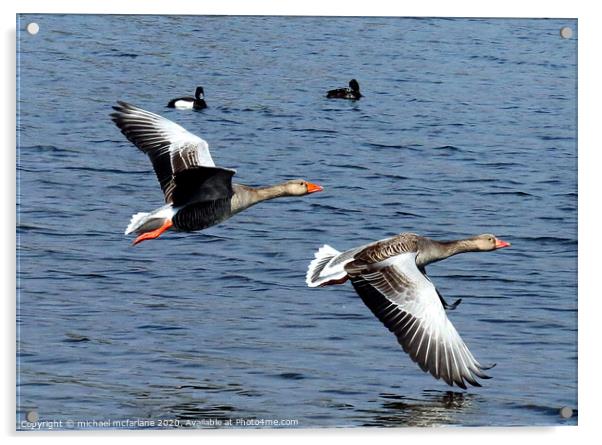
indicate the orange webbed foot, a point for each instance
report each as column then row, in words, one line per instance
column 153, row 233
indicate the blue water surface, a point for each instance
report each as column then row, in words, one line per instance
column 467, row 126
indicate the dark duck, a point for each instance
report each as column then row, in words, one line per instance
column 352, row 92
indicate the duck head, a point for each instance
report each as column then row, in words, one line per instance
column 354, row 85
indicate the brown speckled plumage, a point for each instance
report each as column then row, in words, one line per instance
column 390, row 277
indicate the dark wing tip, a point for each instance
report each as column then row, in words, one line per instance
column 461, row 383
column 482, row 368
column 123, row 107
column 472, row 381
column 124, row 104
column 120, row 108
column 456, row 303
column 470, row 378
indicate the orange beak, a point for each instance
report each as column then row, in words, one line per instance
column 500, row 244
column 313, row 188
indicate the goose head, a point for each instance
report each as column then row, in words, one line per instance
column 487, row 242
column 300, row 187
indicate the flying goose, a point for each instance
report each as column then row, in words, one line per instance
column 390, row 277
column 197, row 193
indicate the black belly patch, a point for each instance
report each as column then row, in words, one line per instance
column 201, row 215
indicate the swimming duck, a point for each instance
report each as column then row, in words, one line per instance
column 190, row 103
column 353, row 92
column 390, row 277
column 198, row 194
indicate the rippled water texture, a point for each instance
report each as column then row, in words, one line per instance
column 466, row 127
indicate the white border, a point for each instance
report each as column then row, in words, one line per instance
column 590, row 260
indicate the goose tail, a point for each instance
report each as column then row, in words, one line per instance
column 322, row 271
column 137, row 221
